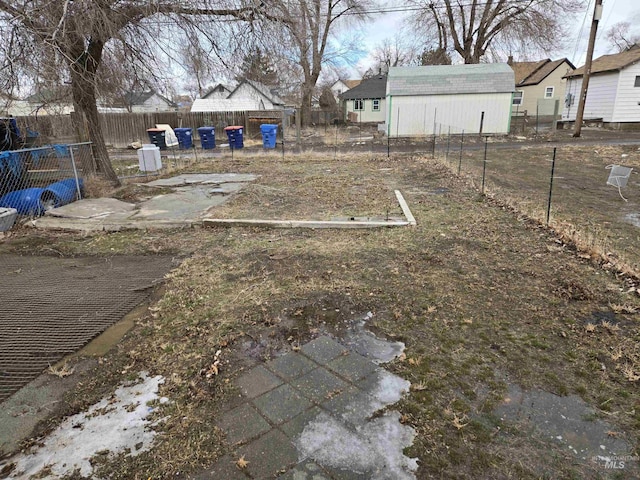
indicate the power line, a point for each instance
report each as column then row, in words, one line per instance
column 579, row 39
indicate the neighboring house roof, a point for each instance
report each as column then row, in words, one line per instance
column 348, row 83
column 263, row 90
column 375, row 87
column 139, row 98
column 49, row 96
column 532, row 73
column 223, row 105
column 218, row 88
column 609, row 63
column 451, row 79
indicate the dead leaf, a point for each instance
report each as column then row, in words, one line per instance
column 241, row 463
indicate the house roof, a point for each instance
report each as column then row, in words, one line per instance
column 138, row 98
column 219, row 87
column 451, row 79
column 46, row 96
column 532, row 73
column 224, row 105
column 348, row 83
column 609, row 63
column 375, row 87
column 265, row 91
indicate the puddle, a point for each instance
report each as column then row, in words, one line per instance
column 367, row 344
column 116, row 424
column 567, row 421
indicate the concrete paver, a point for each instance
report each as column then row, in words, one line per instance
column 353, row 366
column 257, row 381
column 291, row 365
column 295, row 426
column 323, row 349
column 319, row 385
column 281, row 404
column 268, row 455
column 243, row 423
column 225, row 468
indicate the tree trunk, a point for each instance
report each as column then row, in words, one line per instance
column 84, row 97
column 305, row 108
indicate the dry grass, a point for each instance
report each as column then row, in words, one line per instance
column 481, row 295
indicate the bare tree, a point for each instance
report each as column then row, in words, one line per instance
column 472, row 27
column 74, row 35
column 308, row 26
column 622, row 36
column 396, row 51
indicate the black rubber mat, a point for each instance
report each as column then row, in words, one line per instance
column 51, row 307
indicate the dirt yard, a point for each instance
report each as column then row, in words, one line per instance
column 486, row 300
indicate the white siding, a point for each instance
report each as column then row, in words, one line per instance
column 367, row 115
column 247, row 92
column 627, row 107
column 601, row 97
column 416, row 115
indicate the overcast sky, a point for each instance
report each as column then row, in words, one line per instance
column 385, row 25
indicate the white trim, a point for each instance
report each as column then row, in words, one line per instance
column 553, row 92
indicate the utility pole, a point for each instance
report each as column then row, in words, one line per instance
column 597, row 15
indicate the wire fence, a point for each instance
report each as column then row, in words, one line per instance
column 35, row 180
column 588, row 194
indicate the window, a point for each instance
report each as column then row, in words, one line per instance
column 548, row 92
column 358, row 105
column 517, row 98
column 376, row 104
column 637, row 82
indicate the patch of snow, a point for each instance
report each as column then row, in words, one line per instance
column 374, row 449
column 114, row 424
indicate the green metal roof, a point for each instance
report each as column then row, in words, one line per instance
column 451, row 79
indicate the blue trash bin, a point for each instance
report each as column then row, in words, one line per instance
column 269, row 135
column 26, row 202
column 185, row 137
column 207, row 137
column 235, row 134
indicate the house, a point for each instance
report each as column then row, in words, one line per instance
column 219, row 91
column 54, row 101
column 431, row 99
column 146, row 102
column 366, row 101
column 264, row 97
column 539, row 84
column 223, row 105
column 614, row 90
column 341, row 86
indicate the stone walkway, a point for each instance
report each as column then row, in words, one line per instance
column 310, row 415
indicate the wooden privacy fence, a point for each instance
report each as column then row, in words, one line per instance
column 122, row 129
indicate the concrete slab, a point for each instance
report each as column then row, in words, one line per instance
column 306, row 471
column 353, row 366
column 295, row 427
column 225, row 468
column 188, row 203
column 202, row 178
column 92, row 208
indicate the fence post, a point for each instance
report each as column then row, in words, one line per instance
column 481, row 123
column 335, row 148
column 484, row 163
column 553, row 168
column 283, row 138
column 537, row 117
column 75, row 172
column 398, row 126
column 461, row 145
column 448, row 144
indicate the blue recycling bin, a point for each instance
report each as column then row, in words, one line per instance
column 235, row 134
column 185, row 137
column 269, row 135
column 207, row 137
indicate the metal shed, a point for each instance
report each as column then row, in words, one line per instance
column 437, row 99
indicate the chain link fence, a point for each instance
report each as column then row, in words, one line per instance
column 33, row 180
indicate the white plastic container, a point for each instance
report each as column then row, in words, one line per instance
column 7, row 218
column 149, row 158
